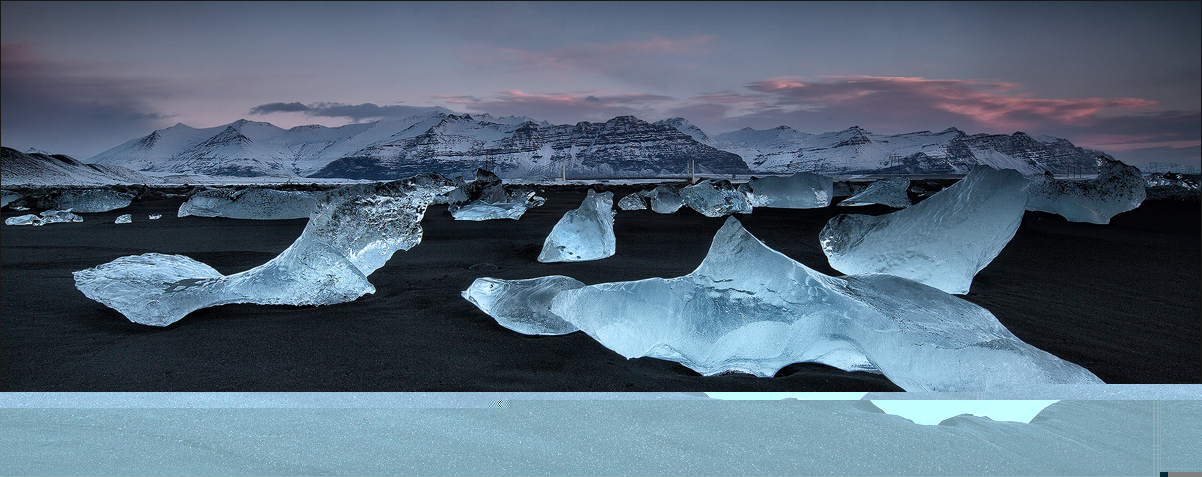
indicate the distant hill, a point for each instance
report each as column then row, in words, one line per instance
column 38, row 169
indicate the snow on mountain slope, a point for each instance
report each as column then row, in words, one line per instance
column 37, row 169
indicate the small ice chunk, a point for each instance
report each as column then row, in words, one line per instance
column 715, row 198
column 665, row 200
column 942, row 241
column 523, row 305
column 155, row 216
column 27, row 219
column 586, row 233
column 1173, row 186
column 87, row 201
column 354, row 230
column 748, row 308
column 891, row 192
column 486, row 199
column 1118, row 188
column 802, row 190
column 635, row 201
column 251, row 203
column 124, row 219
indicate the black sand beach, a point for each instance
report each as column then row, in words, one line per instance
column 1122, row 300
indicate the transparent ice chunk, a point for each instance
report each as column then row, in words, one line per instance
column 1118, row 188
column 124, row 219
column 523, row 305
column 485, row 198
column 46, row 217
column 155, row 216
column 942, row 241
column 802, row 190
column 251, row 203
column 891, row 192
column 751, row 309
column 715, row 198
column 665, row 200
column 635, row 201
column 87, row 201
column 27, row 219
column 586, row 233
column 352, row 233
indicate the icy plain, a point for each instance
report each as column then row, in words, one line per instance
column 942, row 241
column 748, row 308
column 1118, row 188
column 586, row 233
column 353, row 231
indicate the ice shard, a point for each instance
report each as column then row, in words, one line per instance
column 715, row 198
column 250, row 203
column 891, row 192
column 124, row 219
column 1173, row 186
column 523, row 305
column 942, row 241
column 635, row 201
column 87, row 201
column 155, row 216
column 353, row 231
column 665, row 200
column 802, row 190
column 1118, row 188
column 586, row 233
column 748, row 308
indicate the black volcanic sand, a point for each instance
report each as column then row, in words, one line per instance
column 1121, row 300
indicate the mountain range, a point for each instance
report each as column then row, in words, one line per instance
column 518, row 147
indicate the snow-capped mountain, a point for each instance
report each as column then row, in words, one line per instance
column 517, row 147
column 857, row 151
column 38, row 169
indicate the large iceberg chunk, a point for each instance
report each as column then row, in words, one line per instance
column 586, row 233
column 1118, row 188
column 250, row 203
column 665, row 200
column 523, row 305
column 87, row 201
column 485, row 198
column 715, row 198
column 942, row 241
column 751, row 309
column 891, row 192
column 353, row 231
column 802, row 190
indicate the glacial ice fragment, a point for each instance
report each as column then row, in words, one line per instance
column 9, row 197
column 715, row 198
column 47, row 217
column 124, row 219
column 751, row 309
column 251, row 203
column 586, row 233
column 1172, row 186
column 353, row 231
column 155, row 216
column 87, row 201
column 665, row 200
column 891, row 192
column 635, row 201
column 523, row 305
column 942, row 241
column 802, row 190
column 485, row 198
column 1118, row 188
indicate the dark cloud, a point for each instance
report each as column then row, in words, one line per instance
column 72, row 108
column 563, row 108
column 355, row 112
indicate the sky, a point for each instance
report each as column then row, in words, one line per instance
column 80, row 78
